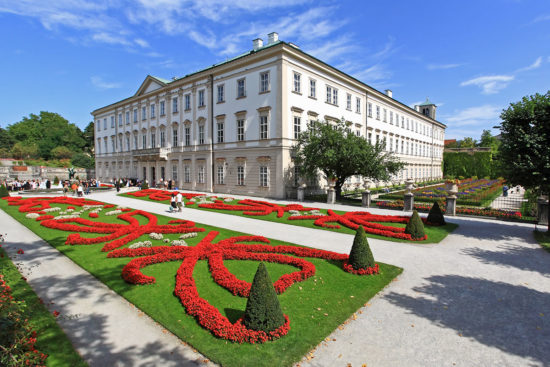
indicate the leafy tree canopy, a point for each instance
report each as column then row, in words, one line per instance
column 525, row 137
column 336, row 151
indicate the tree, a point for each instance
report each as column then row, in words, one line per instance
column 467, row 143
column 360, row 256
column 435, row 216
column 61, row 152
column 339, row 153
column 263, row 311
column 83, row 160
column 489, row 141
column 25, row 151
column 415, row 227
column 524, row 152
column 89, row 138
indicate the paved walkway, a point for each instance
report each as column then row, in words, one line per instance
column 479, row 298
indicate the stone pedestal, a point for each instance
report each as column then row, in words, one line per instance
column 366, row 197
column 408, row 202
column 542, row 211
column 450, row 208
column 301, row 193
column 331, row 196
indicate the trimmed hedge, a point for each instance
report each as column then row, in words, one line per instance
column 360, row 256
column 415, row 227
column 467, row 164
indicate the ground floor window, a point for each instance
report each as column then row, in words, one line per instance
column 264, row 176
column 221, row 175
column 175, row 172
column 200, row 174
column 187, row 174
column 240, row 175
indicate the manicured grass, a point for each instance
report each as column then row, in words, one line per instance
column 315, row 306
column 435, row 233
column 51, row 340
column 543, row 238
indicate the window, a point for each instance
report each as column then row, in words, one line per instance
column 241, row 91
column 384, row 115
column 297, row 79
column 127, row 142
column 370, row 138
column 391, row 144
column 105, row 144
column 187, row 102
column 378, row 112
column 144, row 141
column 152, row 111
column 312, row 91
column 119, row 119
column 332, row 95
column 162, row 138
column 240, row 130
column 407, row 124
column 187, row 174
column 127, row 117
column 201, row 98
column 104, row 124
column 135, row 141
column 143, row 113
column 221, row 94
column 264, row 179
column 187, row 136
column 201, row 134
column 240, row 175
column 402, row 147
column 263, row 127
column 135, row 115
column 98, row 146
column 297, row 127
column 220, row 132
column 112, row 122
column 175, row 172
column 264, row 82
column 391, row 117
column 348, row 101
column 221, row 175
column 358, row 105
column 402, row 122
column 175, row 105
column 120, row 148
column 369, row 109
column 162, row 110
column 175, row 137
column 200, row 174
column 153, row 140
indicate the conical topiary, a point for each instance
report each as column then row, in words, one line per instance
column 56, row 180
column 415, row 227
column 435, row 216
column 263, row 311
column 4, row 191
column 360, row 256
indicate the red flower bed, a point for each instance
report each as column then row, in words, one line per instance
column 366, row 271
column 255, row 248
column 160, row 195
column 93, row 215
column 255, row 207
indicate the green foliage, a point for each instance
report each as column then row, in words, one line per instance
column 89, row 138
column 61, row 152
column 46, row 132
column 489, row 141
column 263, row 311
column 56, row 180
column 468, row 164
column 467, row 143
column 360, row 256
column 334, row 149
column 25, row 150
column 4, row 191
column 435, row 216
column 83, row 160
column 144, row 185
column 415, row 227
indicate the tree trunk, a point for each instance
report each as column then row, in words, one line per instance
column 338, row 190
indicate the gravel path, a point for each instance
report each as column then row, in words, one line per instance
column 479, row 298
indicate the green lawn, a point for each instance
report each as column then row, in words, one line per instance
column 543, row 238
column 315, row 306
column 435, row 233
column 51, row 340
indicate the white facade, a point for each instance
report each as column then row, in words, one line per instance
column 230, row 128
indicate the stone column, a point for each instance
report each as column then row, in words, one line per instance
column 542, row 211
column 450, row 207
column 366, row 199
column 408, row 199
column 301, row 192
column 331, row 195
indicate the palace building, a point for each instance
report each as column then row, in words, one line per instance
column 230, row 128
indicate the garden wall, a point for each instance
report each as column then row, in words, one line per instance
column 38, row 172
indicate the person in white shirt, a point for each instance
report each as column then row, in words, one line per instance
column 179, row 201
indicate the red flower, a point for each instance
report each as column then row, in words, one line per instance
column 93, row 215
column 55, row 313
column 20, row 251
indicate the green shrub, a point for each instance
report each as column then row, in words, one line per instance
column 83, row 160
column 144, row 185
column 360, row 256
column 435, row 216
column 263, row 311
column 56, row 180
column 4, row 191
column 415, row 227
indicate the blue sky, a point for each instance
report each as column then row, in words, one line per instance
column 472, row 58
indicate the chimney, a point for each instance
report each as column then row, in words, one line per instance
column 417, row 108
column 389, row 93
column 257, row 44
column 272, row 38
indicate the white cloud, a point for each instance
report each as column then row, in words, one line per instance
column 99, row 83
column 541, row 18
column 534, row 65
column 141, row 42
column 489, row 84
column 111, row 39
column 442, row 66
column 474, row 116
column 331, row 49
column 373, row 74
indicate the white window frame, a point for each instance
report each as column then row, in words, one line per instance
column 201, row 98
column 220, row 126
column 174, row 104
column 221, row 93
column 240, row 129
column 312, row 88
column 297, row 82
column 264, row 176
column 264, row 127
column 265, row 82
column 241, row 176
column 241, row 88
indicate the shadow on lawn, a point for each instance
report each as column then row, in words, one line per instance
column 508, row 317
column 514, row 255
